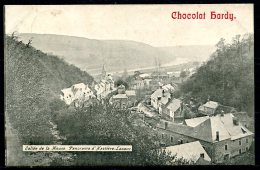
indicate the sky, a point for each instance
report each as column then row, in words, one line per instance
column 151, row 24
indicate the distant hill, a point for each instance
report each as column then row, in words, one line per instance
column 33, row 81
column 90, row 54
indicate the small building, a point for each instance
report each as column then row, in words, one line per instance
column 192, row 153
column 120, row 101
column 131, row 97
column 208, row 108
column 121, row 89
column 123, row 98
column 172, row 108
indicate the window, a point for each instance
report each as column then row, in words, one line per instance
column 226, row 147
column 239, row 142
column 246, row 140
column 171, row 139
column 202, row 155
column 180, row 141
column 240, row 151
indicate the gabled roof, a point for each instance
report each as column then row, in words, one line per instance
column 168, row 87
column 195, row 121
column 120, row 96
column 211, row 104
column 174, row 105
column 67, row 90
column 79, row 85
column 189, row 151
column 121, row 86
column 159, row 93
column 144, row 75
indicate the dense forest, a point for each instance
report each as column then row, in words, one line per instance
column 228, row 76
column 33, row 80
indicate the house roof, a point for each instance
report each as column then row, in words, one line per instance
column 168, row 87
column 223, row 124
column 121, row 86
column 120, row 96
column 67, row 90
column 174, row 105
column 144, row 75
column 211, row 104
column 130, row 92
column 189, row 151
column 195, row 121
column 206, row 130
column 159, row 93
column 79, row 85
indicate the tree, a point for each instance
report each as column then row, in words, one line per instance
column 121, row 81
column 183, row 74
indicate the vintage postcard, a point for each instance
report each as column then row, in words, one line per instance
column 129, row 85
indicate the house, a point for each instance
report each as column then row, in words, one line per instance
column 119, row 101
column 172, row 108
column 77, row 92
column 121, row 89
column 123, row 98
column 159, row 98
column 104, row 87
column 208, row 108
column 141, row 81
column 131, row 97
column 67, row 96
column 222, row 135
column 192, row 152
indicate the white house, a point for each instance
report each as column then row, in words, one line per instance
column 208, row 108
column 79, row 92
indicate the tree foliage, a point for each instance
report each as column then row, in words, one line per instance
column 105, row 125
column 228, row 77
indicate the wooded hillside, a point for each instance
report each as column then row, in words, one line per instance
column 228, row 77
column 33, row 80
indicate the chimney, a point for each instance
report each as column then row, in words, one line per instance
column 217, row 135
column 202, row 155
column 235, row 121
column 166, row 125
column 163, row 93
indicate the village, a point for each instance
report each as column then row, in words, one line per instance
column 201, row 133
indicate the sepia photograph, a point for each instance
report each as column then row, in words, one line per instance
column 129, row 85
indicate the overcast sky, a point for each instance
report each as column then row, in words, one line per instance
column 151, row 24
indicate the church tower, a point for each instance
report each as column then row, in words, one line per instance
column 103, row 72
